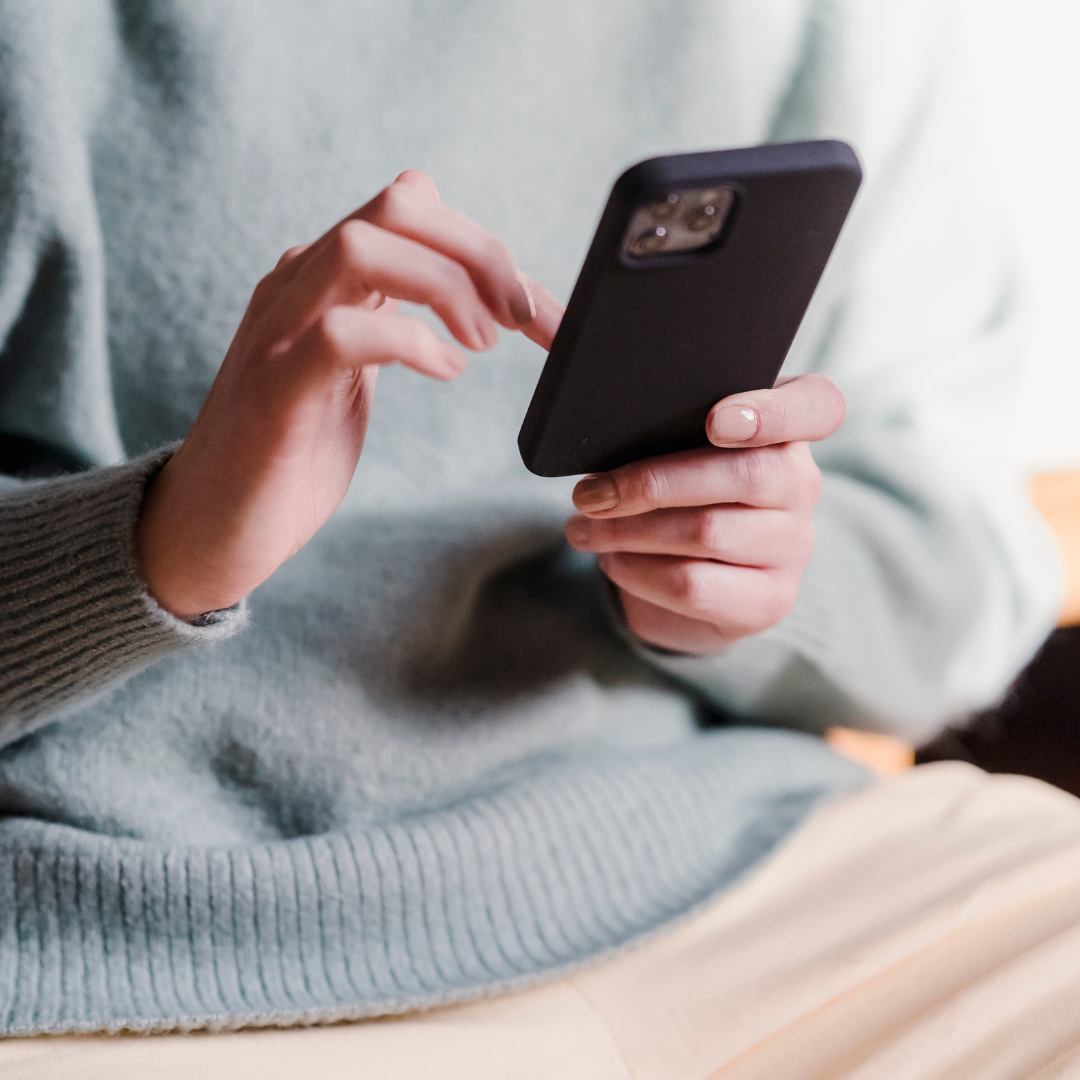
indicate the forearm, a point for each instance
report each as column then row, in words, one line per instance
column 75, row 616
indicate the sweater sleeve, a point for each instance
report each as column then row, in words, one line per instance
column 74, row 616
column 932, row 581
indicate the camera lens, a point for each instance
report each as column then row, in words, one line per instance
column 650, row 242
column 664, row 211
column 701, row 219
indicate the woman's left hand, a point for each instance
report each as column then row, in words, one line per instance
column 709, row 546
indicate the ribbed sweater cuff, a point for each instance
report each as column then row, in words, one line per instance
column 74, row 614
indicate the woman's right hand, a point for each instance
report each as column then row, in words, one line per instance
column 274, row 447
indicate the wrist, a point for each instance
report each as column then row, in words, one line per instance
column 166, row 555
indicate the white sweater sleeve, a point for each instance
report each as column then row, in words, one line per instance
column 932, row 581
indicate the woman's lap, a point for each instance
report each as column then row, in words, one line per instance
column 928, row 927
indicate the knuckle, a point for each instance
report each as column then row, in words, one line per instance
column 290, row 254
column 452, row 283
column 709, row 530
column 331, row 330
column 350, row 242
column 416, row 340
column 265, row 286
column 759, row 468
column 643, row 484
column 389, row 205
column 692, row 586
column 375, row 209
column 395, row 201
column 449, row 292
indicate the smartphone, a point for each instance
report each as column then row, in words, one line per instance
column 699, row 274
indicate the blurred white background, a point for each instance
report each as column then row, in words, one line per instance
column 1024, row 57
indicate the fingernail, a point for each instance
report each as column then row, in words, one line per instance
column 733, row 424
column 522, row 306
column 596, row 493
column 577, row 530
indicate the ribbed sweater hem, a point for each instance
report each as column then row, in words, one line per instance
column 533, row 877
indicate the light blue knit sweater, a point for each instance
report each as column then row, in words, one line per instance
column 423, row 763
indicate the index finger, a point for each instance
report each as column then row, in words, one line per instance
column 806, row 408
column 549, row 313
column 404, row 209
column 769, row 477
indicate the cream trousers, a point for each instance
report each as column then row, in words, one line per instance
column 925, row 929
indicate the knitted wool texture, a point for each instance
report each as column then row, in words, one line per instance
column 431, row 765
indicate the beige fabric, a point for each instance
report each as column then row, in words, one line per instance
column 928, row 928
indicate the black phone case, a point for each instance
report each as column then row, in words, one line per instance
column 647, row 347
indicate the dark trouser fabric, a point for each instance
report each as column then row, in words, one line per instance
column 1035, row 731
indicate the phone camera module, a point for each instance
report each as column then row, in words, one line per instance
column 681, row 222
